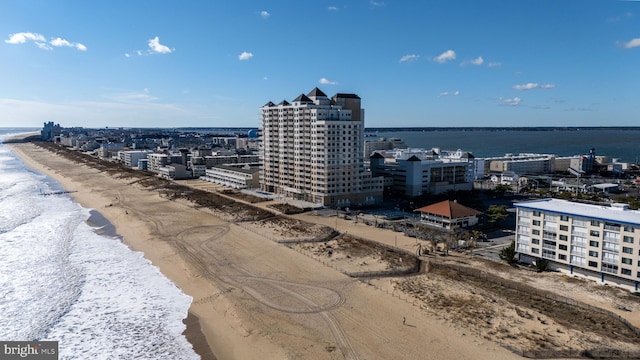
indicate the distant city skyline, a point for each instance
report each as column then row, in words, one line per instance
column 466, row 63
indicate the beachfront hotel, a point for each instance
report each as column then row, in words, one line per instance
column 313, row 150
column 592, row 241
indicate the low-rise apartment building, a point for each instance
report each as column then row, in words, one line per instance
column 234, row 176
column 593, row 241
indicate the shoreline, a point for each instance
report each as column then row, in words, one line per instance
column 254, row 298
column 103, row 226
column 193, row 331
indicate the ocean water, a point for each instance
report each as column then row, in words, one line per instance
column 622, row 144
column 62, row 279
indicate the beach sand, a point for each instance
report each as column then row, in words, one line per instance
column 256, row 299
column 253, row 298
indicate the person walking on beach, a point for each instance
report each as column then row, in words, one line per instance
column 404, row 320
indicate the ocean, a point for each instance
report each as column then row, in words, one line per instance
column 622, row 144
column 65, row 276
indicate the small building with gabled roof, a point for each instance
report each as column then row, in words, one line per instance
column 449, row 215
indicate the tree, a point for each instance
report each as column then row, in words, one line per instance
column 508, row 254
column 496, row 213
column 542, row 264
column 430, row 235
column 500, row 189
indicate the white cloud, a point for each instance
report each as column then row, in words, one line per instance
column 510, row 102
column 21, row 38
column 245, row 55
column 41, row 42
column 477, row 61
column 332, row 8
column 265, row 14
column 132, row 96
column 446, row 56
column 325, row 81
column 127, row 55
column 43, row 46
column 494, row 64
column 530, row 86
column 632, row 43
column 376, row 3
column 156, row 47
column 58, row 42
column 446, row 93
column 409, row 57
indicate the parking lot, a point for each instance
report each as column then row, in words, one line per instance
column 496, row 241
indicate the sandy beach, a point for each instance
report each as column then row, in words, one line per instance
column 256, row 298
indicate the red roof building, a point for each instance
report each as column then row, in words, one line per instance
column 449, row 215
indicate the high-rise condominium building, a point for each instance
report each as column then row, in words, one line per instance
column 313, row 150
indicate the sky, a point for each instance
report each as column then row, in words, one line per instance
column 464, row 63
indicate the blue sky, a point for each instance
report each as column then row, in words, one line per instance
column 414, row 63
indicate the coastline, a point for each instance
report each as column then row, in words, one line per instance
column 246, row 289
column 193, row 331
column 103, row 226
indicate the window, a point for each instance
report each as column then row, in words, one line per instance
column 562, row 256
column 535, row 241
column 628, row 228
column 536, row 213
column 535, row 251
column 627, row 250
column 593, row 264
column 610, row 268
column 626, row 272
column 593, row 253
column 628, row 239
column 536, row 222
column 564, row 227
column 535, row 231
column 562, row 247
column 593, row 243
column 595, row 223
column 564, row 218
column 594, row 233
column 563, row 237
column 627, row 261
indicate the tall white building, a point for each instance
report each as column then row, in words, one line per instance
column 601, row 242
column 313, row 150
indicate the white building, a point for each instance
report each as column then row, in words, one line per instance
column 313, row 150
column 382, row 144
column 600, row 242
column 415, row 172
column 233, row 176
column 156, row 161
column 131, row 157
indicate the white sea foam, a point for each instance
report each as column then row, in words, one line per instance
column 59, row 280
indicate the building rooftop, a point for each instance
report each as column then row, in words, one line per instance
column 618, row 213
column 316, row 92
column 449, row 209
column 303, row 98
